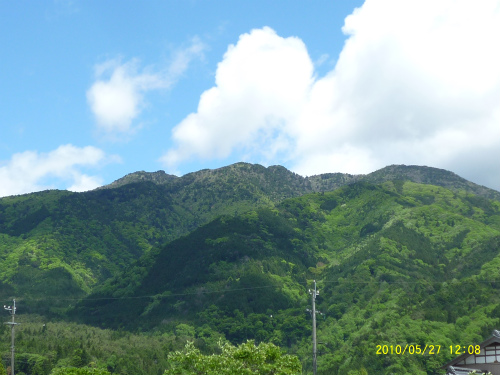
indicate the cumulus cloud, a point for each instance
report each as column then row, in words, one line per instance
column 29, row 171
column 416, row 83
column 119, row 99
column 254, row 98
column 116, row 98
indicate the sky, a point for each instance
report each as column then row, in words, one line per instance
column 93, row 90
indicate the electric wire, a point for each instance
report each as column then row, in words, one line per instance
column 198, row 292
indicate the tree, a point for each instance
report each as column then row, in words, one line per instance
column 245, row 359
column 79, row 371
column 80, row 358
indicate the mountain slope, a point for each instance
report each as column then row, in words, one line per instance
column 430, row 176
column 159, row 177
column 81, row 239
column 318, row 183
column 229, row 252
column 396, row 263
column 67, row 243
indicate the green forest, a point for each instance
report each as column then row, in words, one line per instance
column 135, row 277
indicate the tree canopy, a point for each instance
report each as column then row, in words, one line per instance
column 79, row 371
column 245, row 359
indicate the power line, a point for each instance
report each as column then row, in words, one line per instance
column 148, row 296
column 344, row 281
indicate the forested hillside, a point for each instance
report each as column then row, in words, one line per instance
column 231, row 253
column 60, row 244
column 397, row 263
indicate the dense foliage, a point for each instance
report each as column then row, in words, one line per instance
column 247, row 358
column 79, row 371
column 44, row 347
column 397, row 263
column 60, row 244
column 222, row 255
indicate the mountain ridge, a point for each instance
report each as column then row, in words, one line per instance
column 87, row 238
column 329, row 181
column 158, row 177
column 397, row 262
column 230, row 252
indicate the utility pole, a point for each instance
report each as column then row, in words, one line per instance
column 314, row 293
column 12, row 325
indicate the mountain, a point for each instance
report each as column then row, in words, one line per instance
column 67, row 243
column 430, row 176
column 396, row 263
column 317, row 183
column 403, row 255
column 159, row 177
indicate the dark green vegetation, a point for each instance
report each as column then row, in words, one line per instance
column 42, row 347
column 232, row 252
column 59, row 244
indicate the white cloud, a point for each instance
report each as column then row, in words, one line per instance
column 417, row 82
column 28, row 171
column 254, row 97
column 322, row 59
column 116, row 98
column 83, row 182
column 183, row 57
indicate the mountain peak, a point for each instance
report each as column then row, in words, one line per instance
column 431, row 176
column 277, row 176
column 158, row 177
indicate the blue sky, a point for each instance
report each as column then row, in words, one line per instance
column 93, row 90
